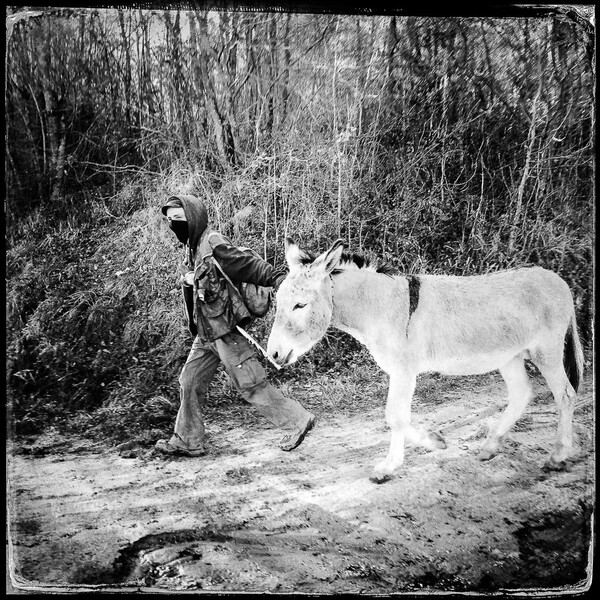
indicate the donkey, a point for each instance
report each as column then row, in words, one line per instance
column 449, row 324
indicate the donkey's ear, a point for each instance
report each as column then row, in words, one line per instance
column 329, row 260
column 288, row 242
column 294, row 256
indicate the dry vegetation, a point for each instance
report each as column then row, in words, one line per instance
column 439, row 144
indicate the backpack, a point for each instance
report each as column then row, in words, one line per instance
column 256, row 298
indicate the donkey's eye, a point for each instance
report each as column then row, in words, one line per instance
column 299, row 305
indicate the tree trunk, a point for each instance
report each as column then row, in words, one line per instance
column 126, row 70
column 55, row 133
column 285, row 43
column 222, row 131
column 272, row 76
column 392, row 41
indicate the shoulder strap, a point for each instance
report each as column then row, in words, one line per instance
column 206, row 251
column 216, row 262
column 233, row 289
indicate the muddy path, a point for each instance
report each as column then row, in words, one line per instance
column 249, row 517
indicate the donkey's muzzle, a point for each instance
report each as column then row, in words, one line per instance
column 280, row 358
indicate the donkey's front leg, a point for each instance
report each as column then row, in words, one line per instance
column 397, row 415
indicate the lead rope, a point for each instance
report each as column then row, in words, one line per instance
column 257, row 345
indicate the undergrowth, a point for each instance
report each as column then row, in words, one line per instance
column 96, row 335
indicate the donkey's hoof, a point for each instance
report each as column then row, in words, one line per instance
column 561, row 462
column 486, row 454
column 380, row 477
column 555, row 465
column 437, row 441
column 561, row 456
column 383, row 471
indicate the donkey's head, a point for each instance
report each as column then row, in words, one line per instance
column 304, row 302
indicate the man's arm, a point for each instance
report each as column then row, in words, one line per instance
column 243, row 266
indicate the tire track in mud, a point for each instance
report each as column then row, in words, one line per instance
column 248, row 517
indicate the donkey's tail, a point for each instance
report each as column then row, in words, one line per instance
column 573, row 355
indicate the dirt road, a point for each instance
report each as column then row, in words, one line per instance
column 249, row 517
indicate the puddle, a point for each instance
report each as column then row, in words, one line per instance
column 137, row 563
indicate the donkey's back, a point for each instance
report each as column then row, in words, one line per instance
column 468, row 325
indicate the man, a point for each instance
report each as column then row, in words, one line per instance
column 212, row 312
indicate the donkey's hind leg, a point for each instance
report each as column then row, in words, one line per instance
column 519, row 393
column 550, row 365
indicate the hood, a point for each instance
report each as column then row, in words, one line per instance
column 195, row 213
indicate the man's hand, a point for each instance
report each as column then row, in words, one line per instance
column 185, row 269
column 187, row 277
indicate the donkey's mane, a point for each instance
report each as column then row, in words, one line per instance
column 354, row 260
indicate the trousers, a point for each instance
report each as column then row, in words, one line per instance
column 249, row 378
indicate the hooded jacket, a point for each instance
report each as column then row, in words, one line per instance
column 240, row 266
